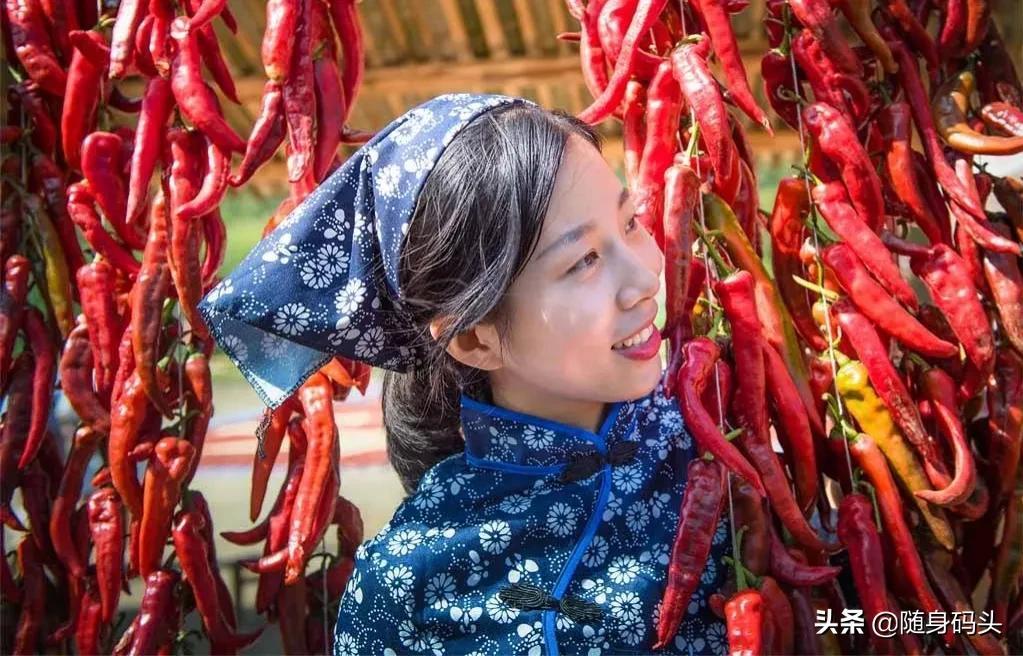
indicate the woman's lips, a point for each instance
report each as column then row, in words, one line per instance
column 645, row 350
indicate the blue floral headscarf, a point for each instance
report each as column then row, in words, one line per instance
column 325, row 281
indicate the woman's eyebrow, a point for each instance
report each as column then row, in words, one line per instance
column 576, row 233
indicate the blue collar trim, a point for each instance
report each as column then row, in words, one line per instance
column 498, row 435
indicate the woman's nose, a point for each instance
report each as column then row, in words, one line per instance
column 640, row 281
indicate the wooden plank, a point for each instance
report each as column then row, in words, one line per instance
column 493, row 32
column 369, row 40
column 561, row 21
column 456, row 35
column 395, row 28
column 524, row 11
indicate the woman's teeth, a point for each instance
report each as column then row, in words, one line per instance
column 638, row 338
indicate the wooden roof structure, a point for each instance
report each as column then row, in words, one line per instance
column 416, row 49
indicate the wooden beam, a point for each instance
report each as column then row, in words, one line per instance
column 527, row 26
column 493, row 32
column 457, row 33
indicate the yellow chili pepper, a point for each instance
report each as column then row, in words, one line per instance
column 949, row 109
column 58, row 278
column 874, row 419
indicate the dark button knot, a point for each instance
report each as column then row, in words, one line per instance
column 589, row 464
column 530, row 597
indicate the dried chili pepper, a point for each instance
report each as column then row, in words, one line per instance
column 1005, row 282
column 197, row 373
column 96, row 286
column 949, row 108
column 194, row 97
column 127, row 417
column 816, row 16
column 89, row 624
column 736, row 294
column 780, row 86
column 939, row 567
column 857, row 12
column 33, row 598
column 331, row 109
column 863, row 403
column 793, row 426
column 129, row 15
column 157, row 106
column 750, row 517
column 57, row 280
column 859, row 534
column 48, row 178
column 345, row 17
column 633, row 130
column 681, row 194
column 164, row 477
column 18, row 419
column 279, row 41
column 646, row 14
column 12, row 310
column 698, row 517
column 192, row 550
column 744, row 618
column 1004, row 423
column 267, row 134
column 939, row 388
column 894, row 121
column 215, row 235
column 719, row 29
column 107, row 530
column 664, row 106
column 830, row 199
column 39, row 342
column 700, row 354
column 27, row 95
column 689, row 62
column 262, row 464
column 32, row 46
column 1003, row 118
column 147, row 295
column 299, row 96
column 788, row 570
column 1008, row 564
column 184, row 149
column 83, row 214
column 85, row 443
column 844, row 92
column 156, row 609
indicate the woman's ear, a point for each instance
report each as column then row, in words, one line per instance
column 478, row 347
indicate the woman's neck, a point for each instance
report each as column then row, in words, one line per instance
column 585, row 414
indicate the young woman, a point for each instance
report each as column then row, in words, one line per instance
column 501, row 276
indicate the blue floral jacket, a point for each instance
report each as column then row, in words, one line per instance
column 587, row 558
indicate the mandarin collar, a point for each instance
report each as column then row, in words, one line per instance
column 499, row 436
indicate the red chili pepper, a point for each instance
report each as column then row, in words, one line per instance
column 32, row 45
column 129, row 15
column 107, row 530
column 736, row 293
column 859, row 534
column 780, row 87
column 215, row 235
column 214, row 185
column 33, row 598
column 750, row 517
column 192, row 550
column 894, row 120
column 197, row 502
column 816, row 16
column 155, row 611
column 939, row 388
column 41, row 345
column 1003, row 118
column 299, row 96
column 89, row 623
column 101, row 155
column 279, row 41
column 681, row 195
column 151, row 288
column 197, row 373
column 209, row 48
column 12, row 310
column 701, row 91
column 633, row 130
column 331, row 109
column 647, row 13
column 1008, row 564
column 83, row 214
column 204, row 12
column 76, row 375
column 785, row 568
column 744, row 614
column 27, row 96
column 194, row 97
column 946, row 277
column 345, row 17
column 262, row 464
column 830, row 199
column 127, row 416
column 700, row 354
column 184, row 150
column 18, row 420
column 909, row 79
column 267, row 134
column 780, row 611
column 165, row 475
column 939, row 566
column 157, row 106
column 793, row 427
column 1004, row 423
column 81, row 102
column 829, row 84
column 664, row 105
column 698, row 517
column 879, row 307
column 97, row 288
column 49, row 179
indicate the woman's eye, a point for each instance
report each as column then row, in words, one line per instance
column 632, row 224
column 588, row 259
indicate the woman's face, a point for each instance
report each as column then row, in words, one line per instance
column 589, row 285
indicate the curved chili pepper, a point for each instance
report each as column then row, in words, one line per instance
column 953, row 29
column 316, row 398
column 950, row 105
column 857, row 12
column 89, row 623
column 80, row 207
column 664, row 106
column 700, row 356
column 267, row 134
column 794, row 427
column 863, row 403
column 591, row 53
column 76, row 368
column 744, row 615
column 157, row 106
column 714, row 16
column 107, row 530
column 209, row 49
column 277, row 537
column 101, row 156
column 165, row 475
column 909, row 79
column 33, row 47
column 129, row 15
column 790, row 571
column 1004, row 118
column 689, row 62
column 698, row 517
column 204, row 12
column 841, row 90
column 197, row 373
column 184, row 150
column 681, row 195
column 151, row 288
column 836, row 138
column 646, row 14
column 736, row 294
column 954, row 293
column 890, row 388
column 96, row 286
column 894, row 121
column 780, row 611
column 780, row 87
column 127, row 416
column 939, row 567
column 194, row 97
column 879, row 307
column 816, row 16
column 214, row 184
column 192, row 550
column 939, row 388
column 40, row 343
column 262, row 464
column 847, row 224
column 917, row 35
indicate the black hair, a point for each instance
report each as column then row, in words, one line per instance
column 476, row 223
